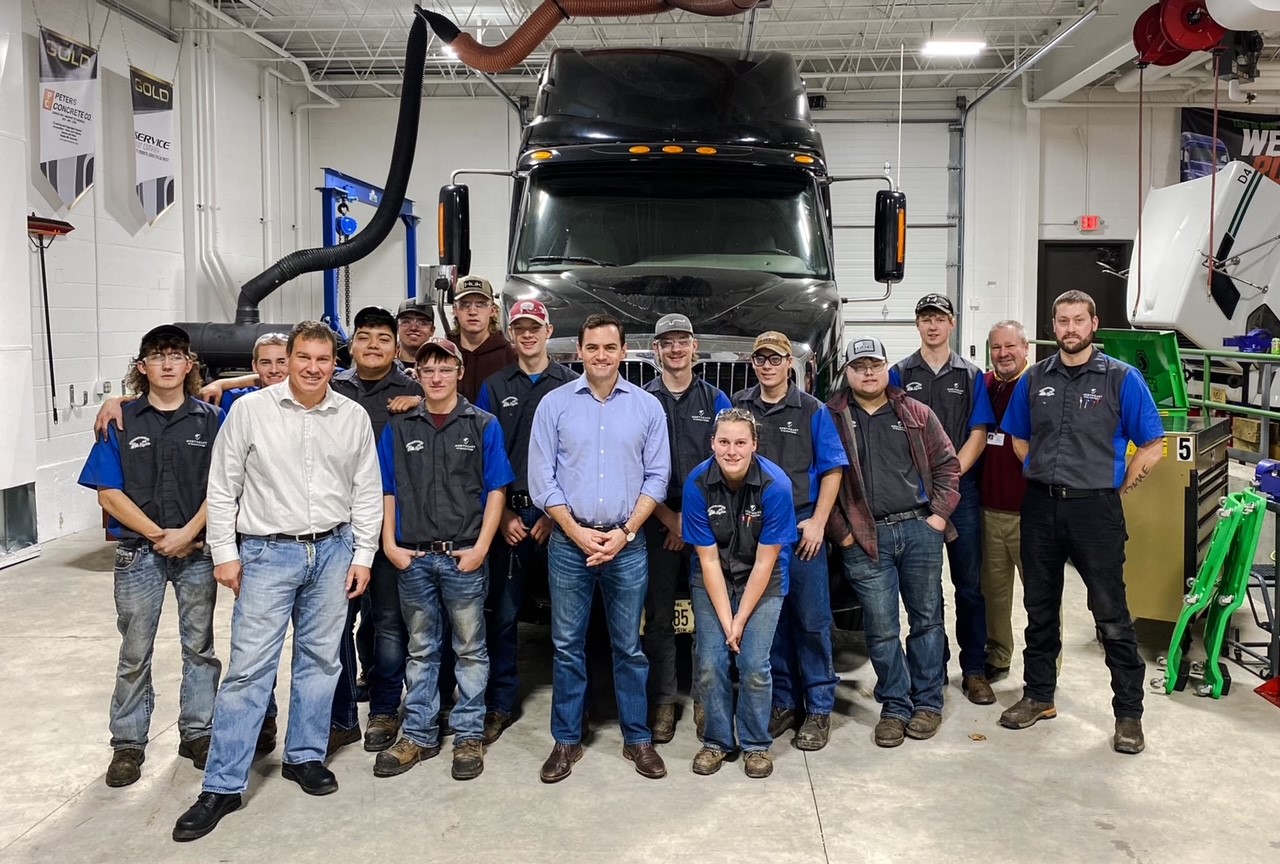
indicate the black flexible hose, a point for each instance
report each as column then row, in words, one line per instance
column 384, row 219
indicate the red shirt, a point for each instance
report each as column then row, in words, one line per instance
column 1002, row 484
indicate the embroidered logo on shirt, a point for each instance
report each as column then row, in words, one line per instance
column 913, row 386
column 511, row 402
column 955, row 390
column 717, row 510
column 465, row 444
column 752, row 512
column 897, row 426
column 413, row 446
column 1046, row 391
column 197, row 441
column 140, row 441
column 701, row 416
column 789, row 429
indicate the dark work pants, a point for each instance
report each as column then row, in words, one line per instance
column 666, row 569
column 964, row 554
column 1091, row 532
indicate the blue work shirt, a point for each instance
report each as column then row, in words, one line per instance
column 798, row 435
column 597, row 458
column 957, row 393
column 1079, row 420
column 229, row 398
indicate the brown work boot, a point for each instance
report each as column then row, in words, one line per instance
column 559, row 764
column 647, row 761
column 814, row 732
column 125, row 767
column 758, row 764
column 1026, row 712
column 266, row 737
column 782, row 719
column 339, row 738
column 1129, row 738
column 978, row 689
column 890, row 732
column 495, row 723
column 196, row 749
column 468, row 759
column 707, row 761
column 401, row 756
column 923, row 724
column 699, row 719
column 381, row 732
column 663, row 725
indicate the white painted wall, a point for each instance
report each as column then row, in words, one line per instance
column 114, row 277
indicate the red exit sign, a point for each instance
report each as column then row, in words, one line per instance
column 1089, row 223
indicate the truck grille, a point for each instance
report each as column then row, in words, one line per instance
column 729, row 376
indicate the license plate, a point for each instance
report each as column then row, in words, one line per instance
column 682, row 618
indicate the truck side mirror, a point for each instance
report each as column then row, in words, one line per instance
column 891, row 236
column 454, row 227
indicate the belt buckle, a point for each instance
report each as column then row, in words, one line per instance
column 1058, row 492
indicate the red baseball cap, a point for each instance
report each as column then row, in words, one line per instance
column 531, row 309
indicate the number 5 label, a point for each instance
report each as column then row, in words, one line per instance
column 1186, row 453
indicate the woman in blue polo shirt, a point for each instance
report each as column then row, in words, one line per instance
column 739, row 517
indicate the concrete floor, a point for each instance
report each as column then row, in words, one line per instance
column 977, row 792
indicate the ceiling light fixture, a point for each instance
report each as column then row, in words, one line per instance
column 953, row 48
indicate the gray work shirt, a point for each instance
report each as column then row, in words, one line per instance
column 957, row 393
column 884, row 454
column 373, row 396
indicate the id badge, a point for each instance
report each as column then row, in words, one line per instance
column 995, row 439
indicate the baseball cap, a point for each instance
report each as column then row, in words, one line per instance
column 935, row 301
column 674, row 323
column 375, row 316
column 412, row 306
column 772, row 340
column 438, row 346
column 472, row 285
column 860, row 349
column 163, row 333
column 531, row 309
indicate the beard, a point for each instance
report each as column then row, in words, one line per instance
column 1084, row 343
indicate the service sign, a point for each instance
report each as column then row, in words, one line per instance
column 153, row 141
column 68, row 99
column 1250, row 138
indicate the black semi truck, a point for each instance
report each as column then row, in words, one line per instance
column 653, row 181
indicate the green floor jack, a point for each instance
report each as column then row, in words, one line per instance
column 1215, row 594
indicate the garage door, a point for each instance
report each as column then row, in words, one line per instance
column 863, row 148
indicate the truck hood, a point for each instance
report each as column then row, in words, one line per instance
column 719, row 302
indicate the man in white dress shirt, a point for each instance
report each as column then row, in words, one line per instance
column 296, row 476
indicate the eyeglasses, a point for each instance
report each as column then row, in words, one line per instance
column 669, row 344
column 474, row 305
column 767, row 359
column 437, row 371
column 416, row 321
column 159, row 357
column 865, row 366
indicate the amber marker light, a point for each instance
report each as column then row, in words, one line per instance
column 541, row 155
column 673, row 148
column 639, row 148
column 706, row 151
column 803, row 159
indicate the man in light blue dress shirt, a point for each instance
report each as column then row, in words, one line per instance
column 599, row 460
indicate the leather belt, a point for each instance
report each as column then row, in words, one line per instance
column 438, row 546
column 903, row 516
column 519, row 501
column 297, row 538
column 598, row 527
column 1068, row 492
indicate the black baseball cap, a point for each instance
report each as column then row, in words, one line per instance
column 375, row 316
column 164, row 333
column 413, row 307
column 935, row 301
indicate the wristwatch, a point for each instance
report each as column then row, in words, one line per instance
column 631, row 535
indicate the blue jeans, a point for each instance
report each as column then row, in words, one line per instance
column 509, row 568
column 910, row 566
column 283, row 581
column 755, row 682
column 390, row 643
column 430, row 589
column 623, row 582
column 140, row 579
column 964, row 554
column 804, row 675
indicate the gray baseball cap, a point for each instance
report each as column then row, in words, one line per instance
column 860, row 349
column 674, row 323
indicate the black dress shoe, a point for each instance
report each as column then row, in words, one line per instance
column 204, row 815
column 313, row 777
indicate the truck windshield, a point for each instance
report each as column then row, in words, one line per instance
column 650, row 217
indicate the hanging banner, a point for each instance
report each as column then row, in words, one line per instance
column 68, row 107
column 153, row 141
column 1250, row 138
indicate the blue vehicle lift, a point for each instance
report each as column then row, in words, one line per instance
column 338, row 191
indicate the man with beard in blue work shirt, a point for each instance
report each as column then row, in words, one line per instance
column 1072, row 417
column 380, row 388
column 956, row 390
column 513, row 395
column 691, row 405
column 154, row 491
column 796, row 434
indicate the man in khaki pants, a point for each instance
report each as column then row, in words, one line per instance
column 1002, row 488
